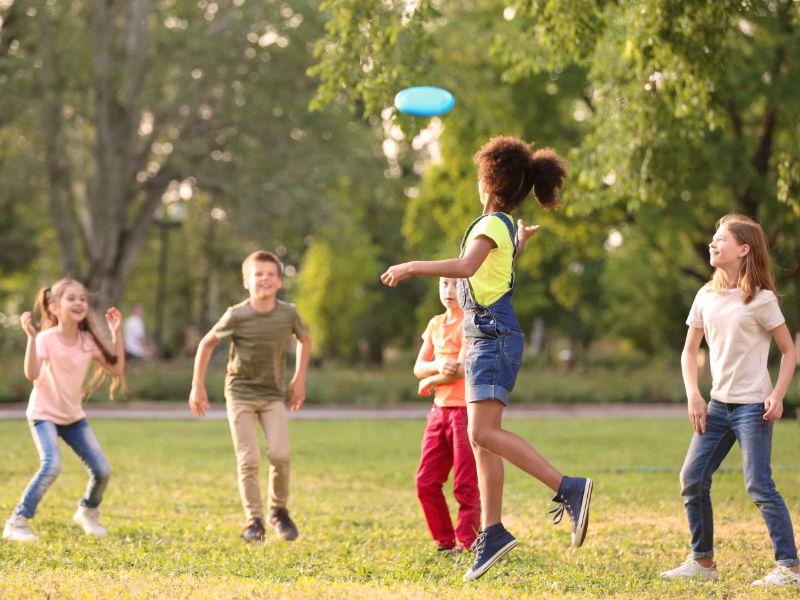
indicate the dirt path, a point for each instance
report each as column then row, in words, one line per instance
column 180, row 411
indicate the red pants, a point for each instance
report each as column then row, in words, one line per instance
column 445, row 445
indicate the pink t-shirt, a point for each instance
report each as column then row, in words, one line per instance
column 57, row 392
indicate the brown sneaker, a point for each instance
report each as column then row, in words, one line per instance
column 254, row 532
column 283, row 524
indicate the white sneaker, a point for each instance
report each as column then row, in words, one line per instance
column 88, row 519
column 691, row 569
column 17, row 529
column 781, row 576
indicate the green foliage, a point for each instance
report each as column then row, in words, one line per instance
column 174, row 518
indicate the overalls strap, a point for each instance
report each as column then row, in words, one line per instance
column 511, row 231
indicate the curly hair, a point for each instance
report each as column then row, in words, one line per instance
column 509, row 169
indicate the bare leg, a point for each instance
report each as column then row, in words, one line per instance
column 492, row 444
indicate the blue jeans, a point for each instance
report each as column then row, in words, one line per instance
column 81, row 439
column 726, row 424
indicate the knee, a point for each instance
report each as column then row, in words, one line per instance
column 279, row 458
column 102, row 472
column 761, row 491
column 49, row 468
column 427, row 485
column 479, row 436
column 692, row 484
column 247, row 464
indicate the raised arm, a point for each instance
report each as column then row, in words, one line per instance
column 524, row 233
column 32, row 365
column 698, row 410
column 773, row 405
column 198, row 397
column 114, row 322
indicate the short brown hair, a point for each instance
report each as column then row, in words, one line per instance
column 263, row 256
column 509, row 169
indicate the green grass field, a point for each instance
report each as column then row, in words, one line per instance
column 174, row 517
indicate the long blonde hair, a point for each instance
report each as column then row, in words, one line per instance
column 47, row 319
column 755, row 272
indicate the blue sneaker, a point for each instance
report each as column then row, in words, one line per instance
column 489, row 546
column 574, row 495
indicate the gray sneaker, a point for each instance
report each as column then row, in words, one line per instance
column 17, row 530
column 780, row 577
column 88, row 519
column 691, row 569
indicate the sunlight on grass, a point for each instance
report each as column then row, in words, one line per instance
column 174, row 517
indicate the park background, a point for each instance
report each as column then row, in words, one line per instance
column 147, row 146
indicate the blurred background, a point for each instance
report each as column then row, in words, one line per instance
column 148, row 146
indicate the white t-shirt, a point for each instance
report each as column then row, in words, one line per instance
column 738, row 340
column 133, row 335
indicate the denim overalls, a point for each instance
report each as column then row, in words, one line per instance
column 493, row 334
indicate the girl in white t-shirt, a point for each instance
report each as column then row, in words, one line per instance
column 57, row 359
column 738, row 313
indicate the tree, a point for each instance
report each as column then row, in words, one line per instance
column 681, row 112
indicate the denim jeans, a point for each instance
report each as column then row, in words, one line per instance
column 81, row 439
column 726, row 424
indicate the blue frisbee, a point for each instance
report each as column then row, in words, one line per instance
column 424, row 101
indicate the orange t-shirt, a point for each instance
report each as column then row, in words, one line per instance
column 447, row 337
column 56, row 394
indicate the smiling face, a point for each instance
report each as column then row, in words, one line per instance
column 447, row 291
column 725, row 250
column 263, row 280
column 72, row 305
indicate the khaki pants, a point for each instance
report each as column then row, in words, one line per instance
column 244, row 418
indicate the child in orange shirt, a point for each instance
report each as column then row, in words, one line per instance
column 445, row 444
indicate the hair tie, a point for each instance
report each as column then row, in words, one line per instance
column 519, row 187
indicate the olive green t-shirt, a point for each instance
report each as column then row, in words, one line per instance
column 257, row 356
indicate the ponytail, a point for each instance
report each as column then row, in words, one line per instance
column 510, row 170
column 48, row 319
column 547, row 172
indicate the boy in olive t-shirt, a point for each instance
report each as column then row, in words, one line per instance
column 259, row 329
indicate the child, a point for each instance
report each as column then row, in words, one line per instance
column 57, row 359
column 738, row 313
column 508, row 170
column 259, row 329
column 445, row 444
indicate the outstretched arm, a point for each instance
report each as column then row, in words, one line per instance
column 456, row 268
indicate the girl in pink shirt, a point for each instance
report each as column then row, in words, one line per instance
column 57, row 359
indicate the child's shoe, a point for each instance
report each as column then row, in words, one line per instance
column 17, row 530
column 283, row 525
column 691, row 569
column 780, row 577
column 254, row 532
column 451, row 552
column 89, row 520
column 574, row 495
column 490, row 545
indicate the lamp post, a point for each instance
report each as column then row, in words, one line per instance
column 173, row 214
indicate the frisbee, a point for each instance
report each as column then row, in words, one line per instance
column 424, row 101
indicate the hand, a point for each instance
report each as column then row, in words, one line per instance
column 297, row 394
column 698, row 411
column 198, row 401
column 114, row 320
column 525, row 233
column 425, row 388
column 447, row 367
column 27, row 324
column 773, row 408
column 396, row 273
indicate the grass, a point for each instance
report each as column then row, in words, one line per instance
column 174, row 517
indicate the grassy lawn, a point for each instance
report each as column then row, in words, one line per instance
column 174, row 517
